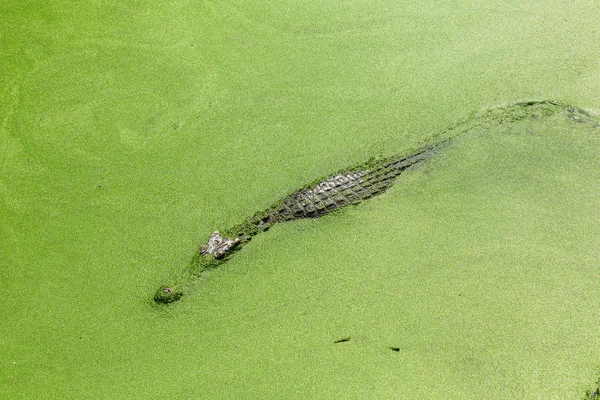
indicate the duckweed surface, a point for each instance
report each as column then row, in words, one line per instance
column 131, row 130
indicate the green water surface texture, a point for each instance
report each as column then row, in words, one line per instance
column 129, row 131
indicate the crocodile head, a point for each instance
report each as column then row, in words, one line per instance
column 168, row 294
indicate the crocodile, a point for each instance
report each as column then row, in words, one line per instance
column 348, row 187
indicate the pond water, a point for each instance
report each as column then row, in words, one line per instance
column 131, row 131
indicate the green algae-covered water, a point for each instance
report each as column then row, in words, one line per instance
column 130, row 131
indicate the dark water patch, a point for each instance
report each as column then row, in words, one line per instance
column 593, row 394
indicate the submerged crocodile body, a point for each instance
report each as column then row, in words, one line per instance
column 346, row 187
column 321, row 198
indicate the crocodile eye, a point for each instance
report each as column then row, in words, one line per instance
column 167, row 290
